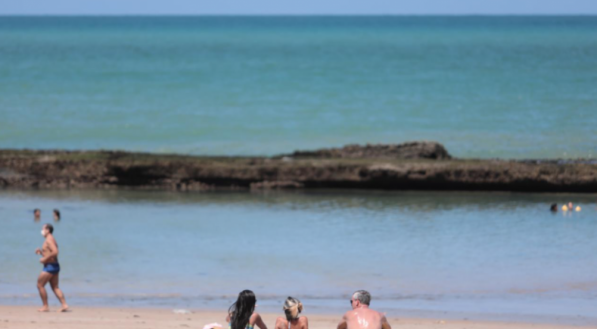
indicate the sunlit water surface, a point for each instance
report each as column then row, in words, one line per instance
column 490, row 255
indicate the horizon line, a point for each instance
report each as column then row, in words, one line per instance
column 307, row 15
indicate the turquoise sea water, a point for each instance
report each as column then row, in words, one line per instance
column 513, row 87
column 510, row 87
column 473, row 255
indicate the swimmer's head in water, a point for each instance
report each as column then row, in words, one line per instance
column 292, row 308
column 36, row 212
column 360, row 297
column 56, row 214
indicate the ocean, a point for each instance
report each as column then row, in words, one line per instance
column 450, row 255
column 485, row 87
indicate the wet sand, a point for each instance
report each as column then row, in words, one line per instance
column 26, row 317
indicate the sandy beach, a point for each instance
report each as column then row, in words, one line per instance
column 25, row 317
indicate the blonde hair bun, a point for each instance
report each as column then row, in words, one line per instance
column 292, row 307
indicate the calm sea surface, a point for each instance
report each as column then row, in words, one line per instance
column 513, row 87
column 487, row 255
column 510, row 87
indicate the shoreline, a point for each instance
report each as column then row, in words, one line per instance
column 26, row 317
column 505, row 311
column 386, row 167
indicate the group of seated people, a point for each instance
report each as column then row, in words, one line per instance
column 242, row 315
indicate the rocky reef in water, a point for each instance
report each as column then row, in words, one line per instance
column 411, row 150
column 408, row 166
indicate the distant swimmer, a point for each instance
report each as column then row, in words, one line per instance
column 36, row 215
column 51, row 270
column 293, row 319
column 361, row 316
column 570, row 206
column 554, row 207
column 56, row 215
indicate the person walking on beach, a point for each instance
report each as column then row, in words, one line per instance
column 51, row 270
column 242, row 315
column 361, row 316
column 292, row 308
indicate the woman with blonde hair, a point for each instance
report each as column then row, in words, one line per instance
column 292, row 308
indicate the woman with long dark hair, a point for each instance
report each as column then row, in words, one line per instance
column 293, row 319
column 242, row 315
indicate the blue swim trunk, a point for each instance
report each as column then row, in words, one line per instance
column 52, row 268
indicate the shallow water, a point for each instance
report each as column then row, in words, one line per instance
column 508, row 87
column 467, row 254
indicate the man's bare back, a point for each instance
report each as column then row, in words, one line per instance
column 364, row 318
column 361, row 316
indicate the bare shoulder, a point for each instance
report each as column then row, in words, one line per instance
column 51, row 240
column 384, row 321
column 280, row 322
column 303, row 319
column 382, row 318
column 254, row 317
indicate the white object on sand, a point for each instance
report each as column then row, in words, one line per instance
column 212, row 326
column 181, row 311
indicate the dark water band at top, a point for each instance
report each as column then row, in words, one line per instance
column 507, row 87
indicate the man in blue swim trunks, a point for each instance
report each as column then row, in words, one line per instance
column 51, row 270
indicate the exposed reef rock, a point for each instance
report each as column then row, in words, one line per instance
column 410, row 150
column 276, row 185
column 366, row 167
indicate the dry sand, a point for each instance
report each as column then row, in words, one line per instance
column 26, row 317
